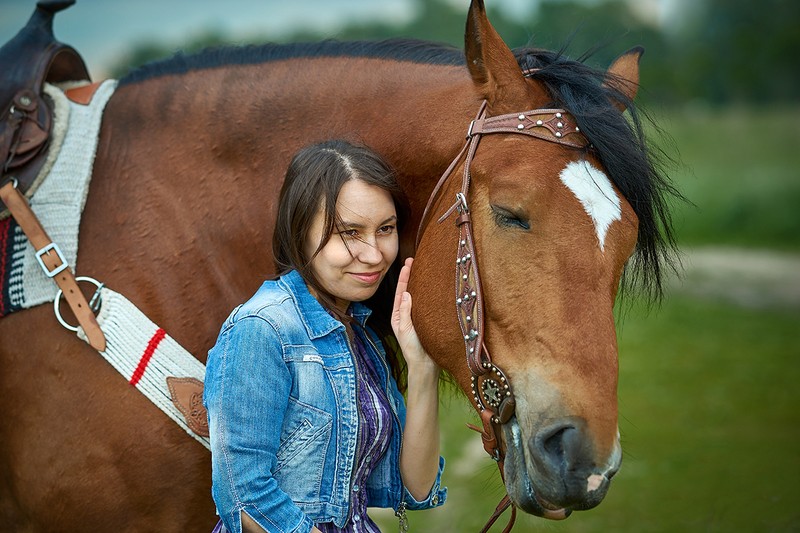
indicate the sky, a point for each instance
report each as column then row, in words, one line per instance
column 104, row 30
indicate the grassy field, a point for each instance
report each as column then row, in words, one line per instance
column 742, row 173
column 709, row 403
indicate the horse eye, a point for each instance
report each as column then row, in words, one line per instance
column 507, row 219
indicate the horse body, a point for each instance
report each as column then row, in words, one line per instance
column 178, row 219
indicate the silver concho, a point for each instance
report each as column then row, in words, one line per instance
column 491, row 392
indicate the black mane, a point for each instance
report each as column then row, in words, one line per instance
column 409, row 50
column 635, row 167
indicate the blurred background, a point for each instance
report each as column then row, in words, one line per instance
column 709, row 403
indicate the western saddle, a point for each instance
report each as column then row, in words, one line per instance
column 27, row 61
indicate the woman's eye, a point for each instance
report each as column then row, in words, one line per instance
column 386, row 230
column 349, row 232
column 507, row 219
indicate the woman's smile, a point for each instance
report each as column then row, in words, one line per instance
column 368, row 278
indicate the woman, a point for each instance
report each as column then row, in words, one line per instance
column 307, row 422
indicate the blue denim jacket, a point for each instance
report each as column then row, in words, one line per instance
column 280, row 390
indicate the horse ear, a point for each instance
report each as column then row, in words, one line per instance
column 491, row 63
column 623, row 75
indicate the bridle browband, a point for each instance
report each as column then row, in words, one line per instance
column 491, row 389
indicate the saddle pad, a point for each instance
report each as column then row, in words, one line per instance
column 149, row 359
column 58, row 203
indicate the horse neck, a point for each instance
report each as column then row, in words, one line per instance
column 414, row 114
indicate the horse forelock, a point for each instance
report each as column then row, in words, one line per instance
column 401, row 50
column 635, row 167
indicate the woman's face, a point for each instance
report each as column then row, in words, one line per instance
column 351, row 265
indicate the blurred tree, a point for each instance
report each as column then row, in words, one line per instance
column 151, row 51
column 743, row 51
column 597, row 32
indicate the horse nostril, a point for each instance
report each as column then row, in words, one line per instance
column 554, row 442
column 554, row 445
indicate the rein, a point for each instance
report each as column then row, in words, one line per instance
column 491, row 389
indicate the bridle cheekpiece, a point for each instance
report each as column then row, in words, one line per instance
column 491, row 389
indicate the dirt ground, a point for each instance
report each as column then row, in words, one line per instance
column 751, row 278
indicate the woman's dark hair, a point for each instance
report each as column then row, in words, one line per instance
column 313, row 181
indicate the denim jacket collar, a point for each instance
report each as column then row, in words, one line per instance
column 317, row 321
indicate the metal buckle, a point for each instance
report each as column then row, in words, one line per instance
column 12, row 180
column 47, row 272
column 95, row 303
column 461, row 203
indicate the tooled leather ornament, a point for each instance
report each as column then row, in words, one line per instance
column 187, row 395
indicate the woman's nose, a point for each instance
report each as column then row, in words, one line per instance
column 369, row 252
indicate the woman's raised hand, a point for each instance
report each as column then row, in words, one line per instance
column 403, row 327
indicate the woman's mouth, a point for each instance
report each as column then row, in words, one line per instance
column 367, row 278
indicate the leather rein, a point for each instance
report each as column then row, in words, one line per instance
column 491, row 389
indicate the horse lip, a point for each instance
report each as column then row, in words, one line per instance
column 538, row 506
column 528, row 501
column 546, row 505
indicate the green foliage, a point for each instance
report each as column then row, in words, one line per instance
column 743, row 51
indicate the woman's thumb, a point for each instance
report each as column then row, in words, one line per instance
column 405, row 308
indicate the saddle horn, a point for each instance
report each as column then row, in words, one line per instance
column 30, row 59
column 34, row 56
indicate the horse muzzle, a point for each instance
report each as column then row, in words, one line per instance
column 555, row 472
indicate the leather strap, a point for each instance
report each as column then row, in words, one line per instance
column 83, row 94
column 504, row 504
column 553, row 125
column 53, row 263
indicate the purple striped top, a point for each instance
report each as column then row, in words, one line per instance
column 374, row 431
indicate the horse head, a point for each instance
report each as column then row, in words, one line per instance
column 554, row 224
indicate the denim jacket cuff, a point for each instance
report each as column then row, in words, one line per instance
column 305, row 525
column 435, row 498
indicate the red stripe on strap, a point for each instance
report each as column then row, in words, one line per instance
column 148, row 353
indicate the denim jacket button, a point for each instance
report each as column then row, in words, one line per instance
column 355, row 488
column 356, row 518
column 435, row 499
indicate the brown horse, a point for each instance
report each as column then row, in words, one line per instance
column 178, row 219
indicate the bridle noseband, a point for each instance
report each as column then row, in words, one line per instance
column 491, row 389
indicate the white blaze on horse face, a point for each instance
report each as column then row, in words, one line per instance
column 596, row 194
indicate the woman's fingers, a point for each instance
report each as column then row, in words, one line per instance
column 402, row 285
column 405, row 311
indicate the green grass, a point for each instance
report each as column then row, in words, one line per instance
column 709, row 420
column 742, row 173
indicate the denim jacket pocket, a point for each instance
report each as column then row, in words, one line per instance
column 303, row 449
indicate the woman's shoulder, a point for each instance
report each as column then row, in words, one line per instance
column 271, row 302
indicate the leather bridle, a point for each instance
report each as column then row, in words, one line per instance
column 491, row 389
